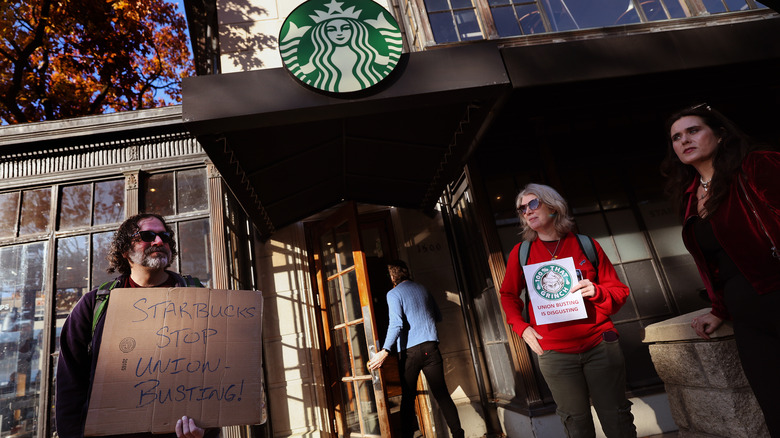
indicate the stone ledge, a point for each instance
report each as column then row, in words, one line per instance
column 679, row 329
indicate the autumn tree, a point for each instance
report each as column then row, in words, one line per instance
column 68, row 58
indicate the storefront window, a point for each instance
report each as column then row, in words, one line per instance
column 21, row 331
column 9, row 208
column 481, row 290
column 53, row 245
column 159, row 195
column 195, row 250
column 240, row 249
column 457, row 20
column 453, row 20
column 172, row 193
column 74, row 206
column 184, row 192
column 36, row 208
column 109, row 202
column 72, row 276
column 191, row 188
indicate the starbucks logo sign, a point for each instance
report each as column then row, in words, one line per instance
column 552, row 282
column 340, row 46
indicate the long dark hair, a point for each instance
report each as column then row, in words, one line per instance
column 123, row 242
column 727, row 161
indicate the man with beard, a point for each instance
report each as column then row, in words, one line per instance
column 142, row 249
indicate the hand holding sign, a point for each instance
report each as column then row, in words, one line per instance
column 585, row 287
column 185, row 427
column 554, row 297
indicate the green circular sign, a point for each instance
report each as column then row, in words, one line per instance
column 552, row 282
column 340, row 46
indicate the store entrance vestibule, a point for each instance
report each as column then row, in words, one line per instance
column 349, row 260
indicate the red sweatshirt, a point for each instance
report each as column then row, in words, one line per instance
column 572, row 336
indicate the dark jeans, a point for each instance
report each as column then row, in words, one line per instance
column 757, row 334
column 425, row 357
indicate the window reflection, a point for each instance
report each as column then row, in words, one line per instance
column 100, row 248
column 195, row 250
column 158, row 194
column 191, row 190
column 36, row 205
column 239, row 246
column 456, row 20
column 9, row 208
column 714, row 6
column 178, row 192
column 75, row 206
column 109, row 202
column 453, row 20
column 21, row 328
column 72, row 278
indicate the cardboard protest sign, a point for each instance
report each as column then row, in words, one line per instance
column 166, row 353
column 549, row 285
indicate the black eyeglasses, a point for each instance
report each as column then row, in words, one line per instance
column 149, row 236
column 532, row 205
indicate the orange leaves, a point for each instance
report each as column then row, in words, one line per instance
column 66, row 58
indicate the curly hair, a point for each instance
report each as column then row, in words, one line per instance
column 399, row 272
column 548, row 195
column 727, row 161
column 122, row 242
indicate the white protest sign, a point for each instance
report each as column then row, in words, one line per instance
column 549, row 285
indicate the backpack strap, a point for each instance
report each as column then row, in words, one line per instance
column 186, row 280
column 525, row 249
column 191, row 281
column 589, row 248
column 101, row 301
column 522, row 255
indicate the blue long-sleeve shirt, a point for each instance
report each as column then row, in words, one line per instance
column 413, row 316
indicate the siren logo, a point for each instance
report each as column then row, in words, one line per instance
column 340, row 46
column 552, row 282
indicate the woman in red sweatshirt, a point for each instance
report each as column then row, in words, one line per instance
column 580, row 359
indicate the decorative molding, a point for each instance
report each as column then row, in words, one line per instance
column 131, row 181
column 212, row 172
column 114, row 153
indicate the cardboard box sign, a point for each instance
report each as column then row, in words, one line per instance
column 166, row 353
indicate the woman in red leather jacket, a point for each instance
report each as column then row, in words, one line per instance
column 729, row 195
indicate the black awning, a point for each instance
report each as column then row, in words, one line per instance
column 288, row 152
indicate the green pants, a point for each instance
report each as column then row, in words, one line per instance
column 598, row 375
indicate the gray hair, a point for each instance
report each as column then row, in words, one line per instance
column 548, row 195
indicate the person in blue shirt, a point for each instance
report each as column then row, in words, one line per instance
column 412, row 330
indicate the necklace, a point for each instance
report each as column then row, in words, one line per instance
column 552, row 253
column 705, row 184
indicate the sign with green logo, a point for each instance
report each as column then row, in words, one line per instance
column 550, row 284
column 340, row 46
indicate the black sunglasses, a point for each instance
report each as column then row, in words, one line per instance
column 149, row 236
column 532, row 205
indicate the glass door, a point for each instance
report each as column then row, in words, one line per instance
column 349, row 327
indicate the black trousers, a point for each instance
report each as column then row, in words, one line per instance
column 425, row 357
column 757, row 334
